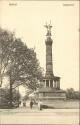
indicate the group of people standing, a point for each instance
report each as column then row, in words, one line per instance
column 31, row 104
column 39, row 104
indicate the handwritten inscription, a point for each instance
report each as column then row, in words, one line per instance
column 12, row 4
column 68, row 4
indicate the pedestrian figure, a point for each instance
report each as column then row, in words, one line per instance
column 40, row 105
column 24, row 104
column 31, row 104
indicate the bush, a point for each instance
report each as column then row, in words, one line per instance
column 71, row 94
column 5, row 100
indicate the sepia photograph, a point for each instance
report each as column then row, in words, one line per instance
column 39, row 62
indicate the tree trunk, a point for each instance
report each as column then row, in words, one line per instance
column 11, row 94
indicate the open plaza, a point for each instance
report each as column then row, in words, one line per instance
column 63, row 113
column 35, row 116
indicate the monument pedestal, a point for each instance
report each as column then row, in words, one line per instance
column 51, row 94
column 51, row 89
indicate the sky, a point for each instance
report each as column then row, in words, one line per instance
column 27, row 20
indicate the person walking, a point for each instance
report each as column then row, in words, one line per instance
column 31, row 104
column 40, row 105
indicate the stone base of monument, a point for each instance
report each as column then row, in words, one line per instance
column 51, row 94
column 50, row 97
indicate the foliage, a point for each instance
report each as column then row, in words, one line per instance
column 72, row 94
column 18, row 62
column 5, row 100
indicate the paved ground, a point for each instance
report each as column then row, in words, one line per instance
column 34, row 116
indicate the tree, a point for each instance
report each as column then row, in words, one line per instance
column 72, row 94
column 77, row 95
column 5, row 41
column 18, row 62
column 5, row 100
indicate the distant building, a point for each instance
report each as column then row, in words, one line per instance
column 51, row 88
